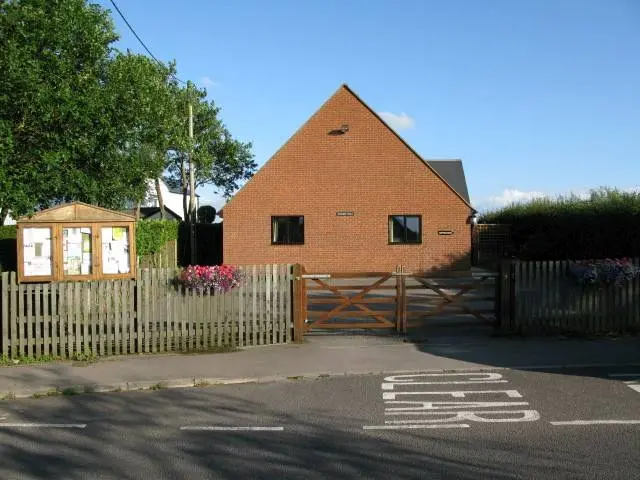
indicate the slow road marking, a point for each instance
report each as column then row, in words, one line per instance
column 450, row 400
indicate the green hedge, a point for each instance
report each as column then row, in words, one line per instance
column 152, row 235
column 606, row 224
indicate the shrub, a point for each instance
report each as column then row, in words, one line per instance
column 152, row 235
column 219, row 278
column 607, row 271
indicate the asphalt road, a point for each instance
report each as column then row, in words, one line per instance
column 565, row 424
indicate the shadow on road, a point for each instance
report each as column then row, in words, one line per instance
column 136, row 435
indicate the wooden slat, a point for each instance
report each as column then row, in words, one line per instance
column 21, row 321
column 4, row 316
column 241, row 314
column 288, row 304
column 254, row 305
column 261, row 304
column 337, row 301
column 268, row 307
column 55, row 321
column 37, row 318
column 68, row 319
column 352, row 314
column 13, row 315
column 167, row 333
column 352, row 326
column 131, row 315
column 341, row 275
column 283, row 285
column 146, row 320
column 218, row 318
column 204, row 305
column 46, row 320
column 360, row 287
column 93, row 316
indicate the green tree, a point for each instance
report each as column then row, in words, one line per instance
column 77, row 119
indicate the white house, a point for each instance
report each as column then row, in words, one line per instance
column 172, row 198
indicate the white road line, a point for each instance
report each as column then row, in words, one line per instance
column 414, row 426
column 218, row 428
column 597, row 422
column 43, row 425
column 634, row 386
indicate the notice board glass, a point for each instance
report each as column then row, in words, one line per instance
column 36, row 252
column 115, row 250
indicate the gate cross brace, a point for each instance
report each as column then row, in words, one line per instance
column 453, row 300
column 350, row 301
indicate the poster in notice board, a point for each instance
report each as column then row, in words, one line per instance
column 115, row 250
column 36, row 252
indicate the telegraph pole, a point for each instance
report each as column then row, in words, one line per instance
column 192, row 186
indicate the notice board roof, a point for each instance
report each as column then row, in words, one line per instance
column 77, row 212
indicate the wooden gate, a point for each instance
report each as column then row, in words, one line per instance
column 446, row 295
column 346, row 300
column 397, row 300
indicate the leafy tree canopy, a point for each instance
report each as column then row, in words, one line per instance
column 80, row 120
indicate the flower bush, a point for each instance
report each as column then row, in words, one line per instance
column 219, row 278
column 607, row 271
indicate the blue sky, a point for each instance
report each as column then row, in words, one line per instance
column 536, row 96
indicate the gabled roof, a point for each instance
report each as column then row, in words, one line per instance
column 450, row 172
column 453, row 172
column 77, row 212
column 146, row 212
column 461, row 191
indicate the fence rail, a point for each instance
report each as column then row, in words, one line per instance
column 544, row 297
column 152, row 313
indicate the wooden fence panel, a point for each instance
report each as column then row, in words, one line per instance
column 149, row 314
column 549, row 299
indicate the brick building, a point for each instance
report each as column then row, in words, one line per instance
column 345, row 193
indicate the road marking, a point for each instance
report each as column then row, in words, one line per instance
column 218, row 428
column 597, row 422
column 413, row 426
column 412, row 396
column 43, row 425
column 632, row 384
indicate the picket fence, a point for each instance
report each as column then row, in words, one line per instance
column 544, row 297
column 153, row 313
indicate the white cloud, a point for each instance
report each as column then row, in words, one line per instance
column 398, row 122
column 508, row 197
column 208, row 83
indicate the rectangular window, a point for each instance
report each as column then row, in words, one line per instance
column 287, row 230
column 405, row 229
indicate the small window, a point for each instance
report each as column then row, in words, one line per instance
column 405, row 229
column 287, row 230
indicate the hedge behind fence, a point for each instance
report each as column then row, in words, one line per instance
column 607, row 224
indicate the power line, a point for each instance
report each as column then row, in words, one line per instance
column 140, row 40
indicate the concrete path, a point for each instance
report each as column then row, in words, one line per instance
column 319, row 356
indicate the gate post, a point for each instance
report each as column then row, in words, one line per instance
column 505, row 294
column 401, row 300
column 299, row 303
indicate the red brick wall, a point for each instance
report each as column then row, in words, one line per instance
column 368, row 171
